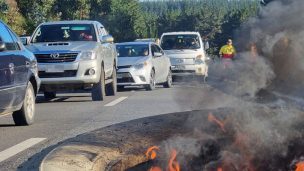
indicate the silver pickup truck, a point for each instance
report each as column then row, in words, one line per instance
column 75, row 55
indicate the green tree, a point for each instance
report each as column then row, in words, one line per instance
column 125, row 20
column 100, row 8
column 3, row 10
column 36, row 12
column 73, row 9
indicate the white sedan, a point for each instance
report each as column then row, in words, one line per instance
column 142, row 64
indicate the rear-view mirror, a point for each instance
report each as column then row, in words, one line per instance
column 2, row 46
column 106, row 39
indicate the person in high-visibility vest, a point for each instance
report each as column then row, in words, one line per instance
column 227, row 54
column 227, row 51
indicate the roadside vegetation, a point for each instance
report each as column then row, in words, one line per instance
column 214, row 19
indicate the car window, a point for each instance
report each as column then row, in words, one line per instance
column 64, row 32
column 159, row 49
column 106, row 32
column 7, row 38
column 155, row 49
column 103, row 31
column 132, row 50
column 15, row 38
column 185, row 41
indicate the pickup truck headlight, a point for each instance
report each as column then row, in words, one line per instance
column 88, row 55
column 199, row 60
column 140, row 65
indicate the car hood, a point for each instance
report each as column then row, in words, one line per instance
column 124, row 61
column 68, row 46
column 184, row 53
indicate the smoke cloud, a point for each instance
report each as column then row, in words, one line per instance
column 263, row 136
column 278, row 34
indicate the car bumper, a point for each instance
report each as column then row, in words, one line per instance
column 38, row 81
column 133, row 77
column 182, row 70
column 69, row 73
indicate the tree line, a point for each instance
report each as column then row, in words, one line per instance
column 130, row 19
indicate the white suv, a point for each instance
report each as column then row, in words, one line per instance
column 186, row 52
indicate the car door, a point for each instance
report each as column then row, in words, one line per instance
column 164, row 64
column 111, row 49
column 106, row 51
column 7, row 91
column 157, row 62
column 21, row 68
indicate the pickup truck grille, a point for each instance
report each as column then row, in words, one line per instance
column 67, row 73
column 62, row 57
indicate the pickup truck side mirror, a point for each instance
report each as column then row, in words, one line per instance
column 106, row 39
column 2, row 46
column 25, row 40
column 206, row 45
column 157, row 54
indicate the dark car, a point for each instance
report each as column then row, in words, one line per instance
column 19, row 82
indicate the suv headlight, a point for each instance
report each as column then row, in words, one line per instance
column 199, row 60
column 87, row 55
column 140, row 65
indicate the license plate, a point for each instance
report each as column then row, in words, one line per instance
column 54, row 68
column 179, row 67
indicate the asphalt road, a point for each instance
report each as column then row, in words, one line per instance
column 73, row 114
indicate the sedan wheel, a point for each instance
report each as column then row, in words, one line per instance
column 168, row 83
column 25, row 116
column 152, row 82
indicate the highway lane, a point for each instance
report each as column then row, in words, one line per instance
column 73, row 114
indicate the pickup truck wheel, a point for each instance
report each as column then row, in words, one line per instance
column 111, row 89
column 98, row 90
column 49, row 95
column 168, row 83
column 152, row 82
column 25, row 116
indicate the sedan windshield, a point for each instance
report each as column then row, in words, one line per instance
column 132, row 50
column 64, row 32
column 189, row 41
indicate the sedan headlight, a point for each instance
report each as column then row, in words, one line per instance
column 140, row 65
column 87, row 55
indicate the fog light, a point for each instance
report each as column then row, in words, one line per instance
column 142, row 78
column 91, row 71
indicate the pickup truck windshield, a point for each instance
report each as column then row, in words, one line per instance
column 187, row 41
column 64, row 32
column 132, row 50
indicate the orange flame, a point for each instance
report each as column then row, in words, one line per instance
column 219, row 169
column 155, row 169
column 212, row 118
column 151, row 153
column 300, row 166
column 173, row 165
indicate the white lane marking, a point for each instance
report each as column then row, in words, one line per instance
column 19, row 148
column 115, row 102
